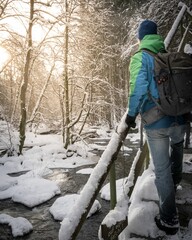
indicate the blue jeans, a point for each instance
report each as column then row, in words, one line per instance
column 166, row 148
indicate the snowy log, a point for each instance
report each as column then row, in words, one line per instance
column 72, row 224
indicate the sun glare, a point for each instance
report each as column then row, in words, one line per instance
column 4, row 57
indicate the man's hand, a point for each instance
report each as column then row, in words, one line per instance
column 130, row 121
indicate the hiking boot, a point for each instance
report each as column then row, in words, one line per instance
column 170, row 228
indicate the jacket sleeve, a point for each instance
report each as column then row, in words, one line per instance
column 138, row 83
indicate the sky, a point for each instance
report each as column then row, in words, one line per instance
column 44, row 153
column 19, row 25
column 4, row 57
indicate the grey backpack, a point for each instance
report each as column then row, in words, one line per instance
column 173, row 75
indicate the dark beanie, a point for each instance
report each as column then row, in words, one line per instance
column 145, row 28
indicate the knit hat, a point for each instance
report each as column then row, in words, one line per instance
column 145, row 28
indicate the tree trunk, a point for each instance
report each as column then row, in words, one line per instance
column 66, row 133
column 22, row 125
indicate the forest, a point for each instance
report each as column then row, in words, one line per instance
column 64, row 63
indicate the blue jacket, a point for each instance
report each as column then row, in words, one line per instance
column 142, row 82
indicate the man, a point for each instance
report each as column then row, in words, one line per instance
column 165, row 134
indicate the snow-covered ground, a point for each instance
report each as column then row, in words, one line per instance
column 43, row 153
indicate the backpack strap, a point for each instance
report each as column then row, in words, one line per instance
column 156, row 112
column 149, row 93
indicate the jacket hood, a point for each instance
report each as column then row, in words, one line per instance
column 153, row 42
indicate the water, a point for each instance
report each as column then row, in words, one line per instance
column 44, row 226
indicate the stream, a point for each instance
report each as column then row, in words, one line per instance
column 44, row 226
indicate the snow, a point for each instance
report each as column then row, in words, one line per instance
column 175, row 26
column 31, row 191
column 20, row 226
column 62, row 206
column 85, row 171
column 105, row 191
column 6, row 182
column 47, row 152
column 23, row 180
column 141, row 211
column 188, row 48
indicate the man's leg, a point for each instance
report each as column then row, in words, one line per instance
column 176, row 152
column 177, row 162
column 158, row 141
